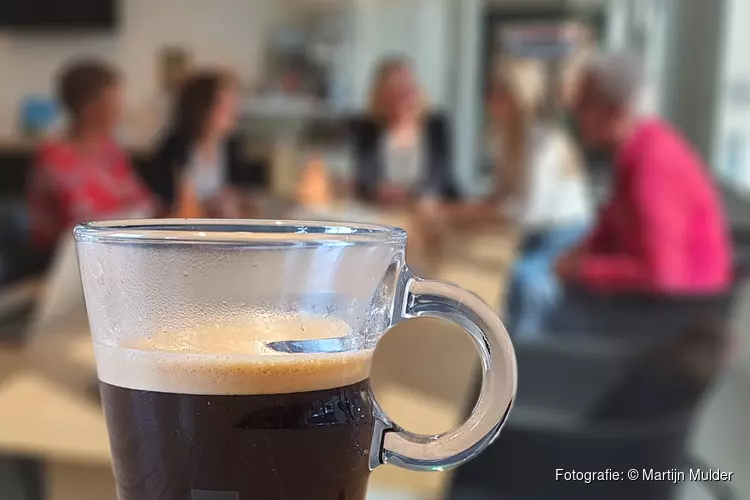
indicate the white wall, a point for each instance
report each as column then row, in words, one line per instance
column 733, row 132
column 231, row 32
column 467, row 108
column 417, row 29
column 693, row 49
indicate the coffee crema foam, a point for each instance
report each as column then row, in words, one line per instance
column 231, row 359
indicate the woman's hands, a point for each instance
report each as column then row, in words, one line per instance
column 226, row 204
column 187, row 205
column 568, row 266
column 392, row 196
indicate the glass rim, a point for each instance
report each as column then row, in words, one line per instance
column 242, row 232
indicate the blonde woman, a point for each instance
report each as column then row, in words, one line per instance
column 542, row 188
column 401, row 150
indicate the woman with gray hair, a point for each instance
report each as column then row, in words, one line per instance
column 662, row 232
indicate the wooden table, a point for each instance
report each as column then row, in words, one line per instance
column 422, row 375
column 48, row 412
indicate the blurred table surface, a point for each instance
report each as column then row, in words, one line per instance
column 48, row 389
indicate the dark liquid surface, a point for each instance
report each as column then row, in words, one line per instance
column 302, row 446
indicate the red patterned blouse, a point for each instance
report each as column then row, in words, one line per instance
column 68, row 186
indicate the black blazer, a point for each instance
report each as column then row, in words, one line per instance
column 171, row 156
column 438, row 175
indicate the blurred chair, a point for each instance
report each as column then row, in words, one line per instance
column 14, row 241
column 62, row 299
column 557, row 382
column 741, row 240
column 21, row 479
column 590, row 406
column 19, row 263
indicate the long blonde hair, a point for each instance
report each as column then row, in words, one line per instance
column 383, row 71
column 525, row 86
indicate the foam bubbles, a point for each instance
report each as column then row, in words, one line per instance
column 232, row 359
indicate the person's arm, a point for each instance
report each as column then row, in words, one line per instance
column 662, row 222
column 440, row 181
column 598, row 239
column 166, row 165
column 45, row 216
column 136, row 197
column 186, row 205
column 364, row 148
column 600, row 236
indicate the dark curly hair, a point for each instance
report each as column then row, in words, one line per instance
column 195, row 102
column 80, row 82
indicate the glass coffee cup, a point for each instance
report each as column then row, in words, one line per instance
column 234, row 357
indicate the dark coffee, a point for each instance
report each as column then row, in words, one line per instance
column 207, row 426
column 308, row 445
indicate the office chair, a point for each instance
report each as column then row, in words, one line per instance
column 603, row 406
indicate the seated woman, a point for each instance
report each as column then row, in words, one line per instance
column 659, row 238
column 84, row 175
column 401, row 151
column 544, row 191
column 199, row 159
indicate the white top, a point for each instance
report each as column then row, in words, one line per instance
column 403, row 162
column 556, row 189
column 207, row 178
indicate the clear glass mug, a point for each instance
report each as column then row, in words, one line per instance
column 234, row 357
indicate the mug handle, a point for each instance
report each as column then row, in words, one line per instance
column 396, row 446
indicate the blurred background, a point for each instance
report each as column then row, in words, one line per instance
column 495, row 131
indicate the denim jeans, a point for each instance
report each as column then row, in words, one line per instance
column 533, row 289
